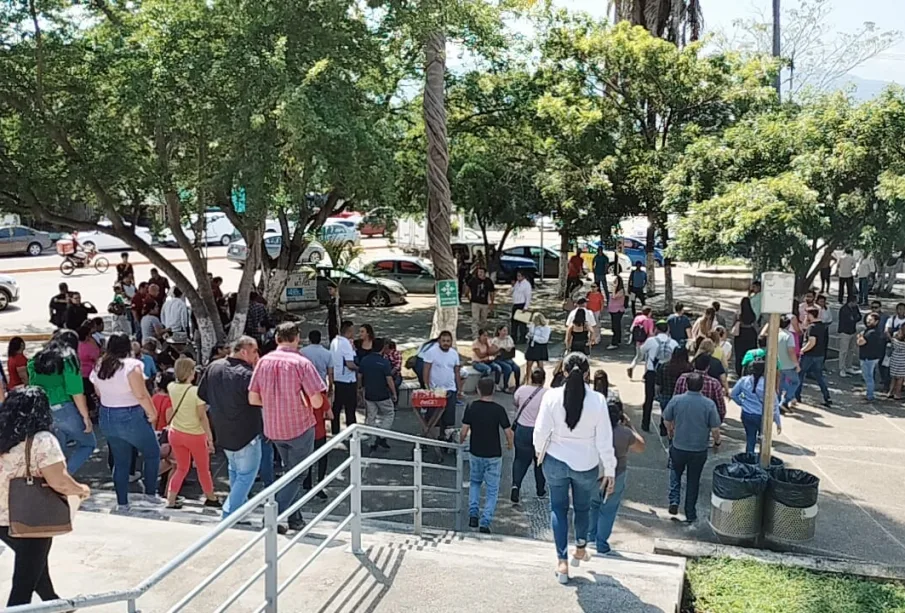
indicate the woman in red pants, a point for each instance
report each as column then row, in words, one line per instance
column 190, row 435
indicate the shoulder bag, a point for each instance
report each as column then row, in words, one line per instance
column 164, row 437
column 522, row 408
column 35, row 509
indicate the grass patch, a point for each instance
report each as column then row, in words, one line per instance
column 722, row 585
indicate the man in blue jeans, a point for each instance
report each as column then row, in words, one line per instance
column 813, row 354
column 238, row 424
column 690, row 418
column 483, row 420
column 788, row 363
column 871, row 349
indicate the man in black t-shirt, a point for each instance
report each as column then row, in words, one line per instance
column 124, row 268
column 813, row 354
column 59, row 305
column 871, row 349
column 481, row 291
column 484, row 419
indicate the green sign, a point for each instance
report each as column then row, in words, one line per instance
column 448, row 293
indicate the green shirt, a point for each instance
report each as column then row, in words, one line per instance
column 757, row 354
column 60, row 388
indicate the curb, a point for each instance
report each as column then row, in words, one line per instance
column 33, row 337
column 693, row 549
column 23, row 271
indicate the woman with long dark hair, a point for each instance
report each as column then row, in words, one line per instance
column 26, row 415
column 748, row 393
column 745, row 332
column 89, row 353
column 56, row 370
column 574, row 437
column 364, row 344
column 16, row 362
column 616, row 309
column 126, row 417
column 527, row 401
column 578, row 335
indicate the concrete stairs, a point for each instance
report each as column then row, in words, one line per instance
column 438, row 572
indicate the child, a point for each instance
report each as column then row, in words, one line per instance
column 483, row 419
column 320, row 438
column 641, row 330
column 162, row 402
column 395, row 357
column 595, row 305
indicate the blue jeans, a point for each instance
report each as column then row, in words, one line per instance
column 127, row 428
column 753, row 424
column 603, row 515
column 600, row 281
column 693, row 461
column 560, row 479
column 509, row 368
column 863, row 290
column 788, row 385
column 814, row 367
column 293, row 452
column 266, row 471
column 525, row 456
column 69, row 426
column 243, row 468
column 484, row 471
column 488, row 368
column 868, row 373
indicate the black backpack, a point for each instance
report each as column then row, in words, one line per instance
column 639, row 334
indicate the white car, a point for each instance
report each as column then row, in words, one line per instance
column 339, row 233
column 106, row 242
column 218, row 230
column 9, row 291
column 273, row 241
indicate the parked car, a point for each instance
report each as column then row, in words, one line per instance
column 378, row 221
column 509, row 265
column 101, row 241
column 9, row 291
column 415, row 274
column 354, row 217
column 357, row 287
column 273, row 242
column 18, row 240
column 532, row 252
column 218, row 230
column 339, row 233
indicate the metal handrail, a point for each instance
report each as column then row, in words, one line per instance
column 267, row 499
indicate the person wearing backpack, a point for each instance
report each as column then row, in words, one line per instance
column 641, row 330
column 656, row 350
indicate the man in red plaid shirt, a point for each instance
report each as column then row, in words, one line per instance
column 713, row 389
column 287, row 387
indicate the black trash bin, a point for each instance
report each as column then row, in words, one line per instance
column 736, row 504
column 790, row 511
column 754, row 460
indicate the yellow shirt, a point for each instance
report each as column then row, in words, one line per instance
column 185, row 417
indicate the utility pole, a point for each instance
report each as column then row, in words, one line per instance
column 777, row 48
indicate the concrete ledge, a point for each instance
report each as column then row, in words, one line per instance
column 693, row 549
column 720, row 278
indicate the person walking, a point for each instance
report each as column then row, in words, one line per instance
column 527, row 401
column 656, row 350
column 745, row 333
column 691, row 419
column 483, row 420
column 897, row 364
column 637, row 281
column 56, row 370
column 574, row 270
column 126, row 418
column 482, row 294
column 538, row 338
column 679, row 325
column 712, row 387
column 578, row 334
column 601, row 264
column 642, row 328
column 871, row 349
column 288, row 389
column 748, row 393
column 867, row 268
column 826, row 266
column 788, row 363
column 574, row 437
column 668, row 374
column 238, row 424
column 813, row 355
column 379, row 391
column 89, row 353
column 190, row 435
column 845, row 269
column 26, row 441
column 521, row 301
column 849, row 318
column 616, row 308
column 605, row 508
column 343, row 377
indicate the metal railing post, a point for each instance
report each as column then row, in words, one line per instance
column 460, row 496
column 132, row 606
column 355, row 478
column 271, row 556
column 418, row 489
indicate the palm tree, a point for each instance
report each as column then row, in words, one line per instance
column 678, row 21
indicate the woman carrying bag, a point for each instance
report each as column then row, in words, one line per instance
column 25, row 424
column 527, row 401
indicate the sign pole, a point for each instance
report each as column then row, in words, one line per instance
column 769, row 390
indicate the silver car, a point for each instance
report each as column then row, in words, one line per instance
column 22, row 240
column 9, row 291
column 273, row 242
column 415, row 274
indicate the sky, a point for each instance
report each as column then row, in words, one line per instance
column 846, row 17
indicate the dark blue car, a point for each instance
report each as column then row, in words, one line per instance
column 633, row 249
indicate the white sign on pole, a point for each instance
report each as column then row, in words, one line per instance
column 778, row 292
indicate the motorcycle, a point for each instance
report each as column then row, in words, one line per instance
column 74, row 258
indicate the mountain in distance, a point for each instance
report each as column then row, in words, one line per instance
column 865, row 89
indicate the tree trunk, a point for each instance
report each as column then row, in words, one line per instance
column 651, row 263
column 273, row 289
column 563, row 262
column 253, row 241
column 667, row 273
column 439, row 199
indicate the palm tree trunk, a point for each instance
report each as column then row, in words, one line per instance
column 439, row 199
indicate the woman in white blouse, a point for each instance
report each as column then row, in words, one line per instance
column 574, row 437
column 538, row 337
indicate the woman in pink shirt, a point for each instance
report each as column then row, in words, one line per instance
column 527, row 403
column 642, row 328
column 89, row 354
column 616, row 308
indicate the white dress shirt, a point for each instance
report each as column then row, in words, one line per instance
column 589, row 444
column 651, row 348
column 175, row 315
column 342, row 351
column 521, row 293
column 589, row 318
column 539, row 335
column 846, row 266
column 866, row 267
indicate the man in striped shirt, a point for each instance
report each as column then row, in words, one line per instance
column 287, row 387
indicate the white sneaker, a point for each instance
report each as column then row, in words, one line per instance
column 122, row 509
column 854, row 371
column 843, row 374
column 135, row 477
column 149, row 500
